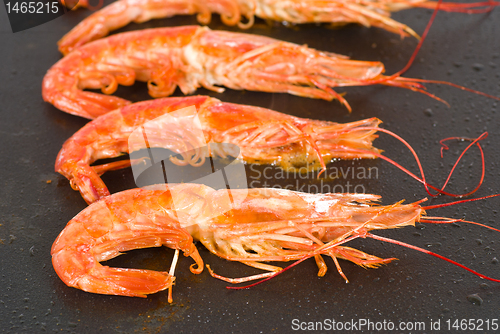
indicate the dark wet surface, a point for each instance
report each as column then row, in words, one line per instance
column 36, row 203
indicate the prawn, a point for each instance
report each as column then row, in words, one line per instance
column 365, row 12
column 250, row 226
column 255, row 135
column 193, row 56
column 262, row 136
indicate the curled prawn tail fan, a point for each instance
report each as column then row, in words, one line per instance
column 117, row 15
column 116, row 224
column 98, row 25
column 89, row 275
column 86, row 31
column 62, row 86
column 85, row 179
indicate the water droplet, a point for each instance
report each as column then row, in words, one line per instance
column 494, row 260
column 484, row 286
column 428, row 112
column 475, row 299
column 479, row 241
column 478, row 66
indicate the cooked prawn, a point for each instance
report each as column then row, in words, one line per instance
column 251, row 226
column 365, row 12
column 262, row 135
column 188, row 126
column 192, row 56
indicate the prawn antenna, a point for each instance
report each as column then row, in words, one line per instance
column 467, row 8
column 444, row 220
column 422, row 179
column 429, row 207
column 400, row 243
column 412, row 84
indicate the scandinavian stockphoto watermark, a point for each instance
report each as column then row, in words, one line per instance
column 335, row 179
column 172, row 148
column 181, row 132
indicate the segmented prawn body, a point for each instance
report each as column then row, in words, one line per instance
column 251, row 226
column 262, row 136
column 190, row 57
column 365, row 12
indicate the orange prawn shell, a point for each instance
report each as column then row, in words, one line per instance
column 130, row 220
column 120, row 13
column 191, row 57
column 266, row 225
column 286, row 141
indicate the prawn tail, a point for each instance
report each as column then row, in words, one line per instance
column 63, row 87
column 84, row 104
column 87, row 181
column 96, row 278
column 86, row 31
column 76, row 254
column 376, row 237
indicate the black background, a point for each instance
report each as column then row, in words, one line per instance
column 463, row 49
